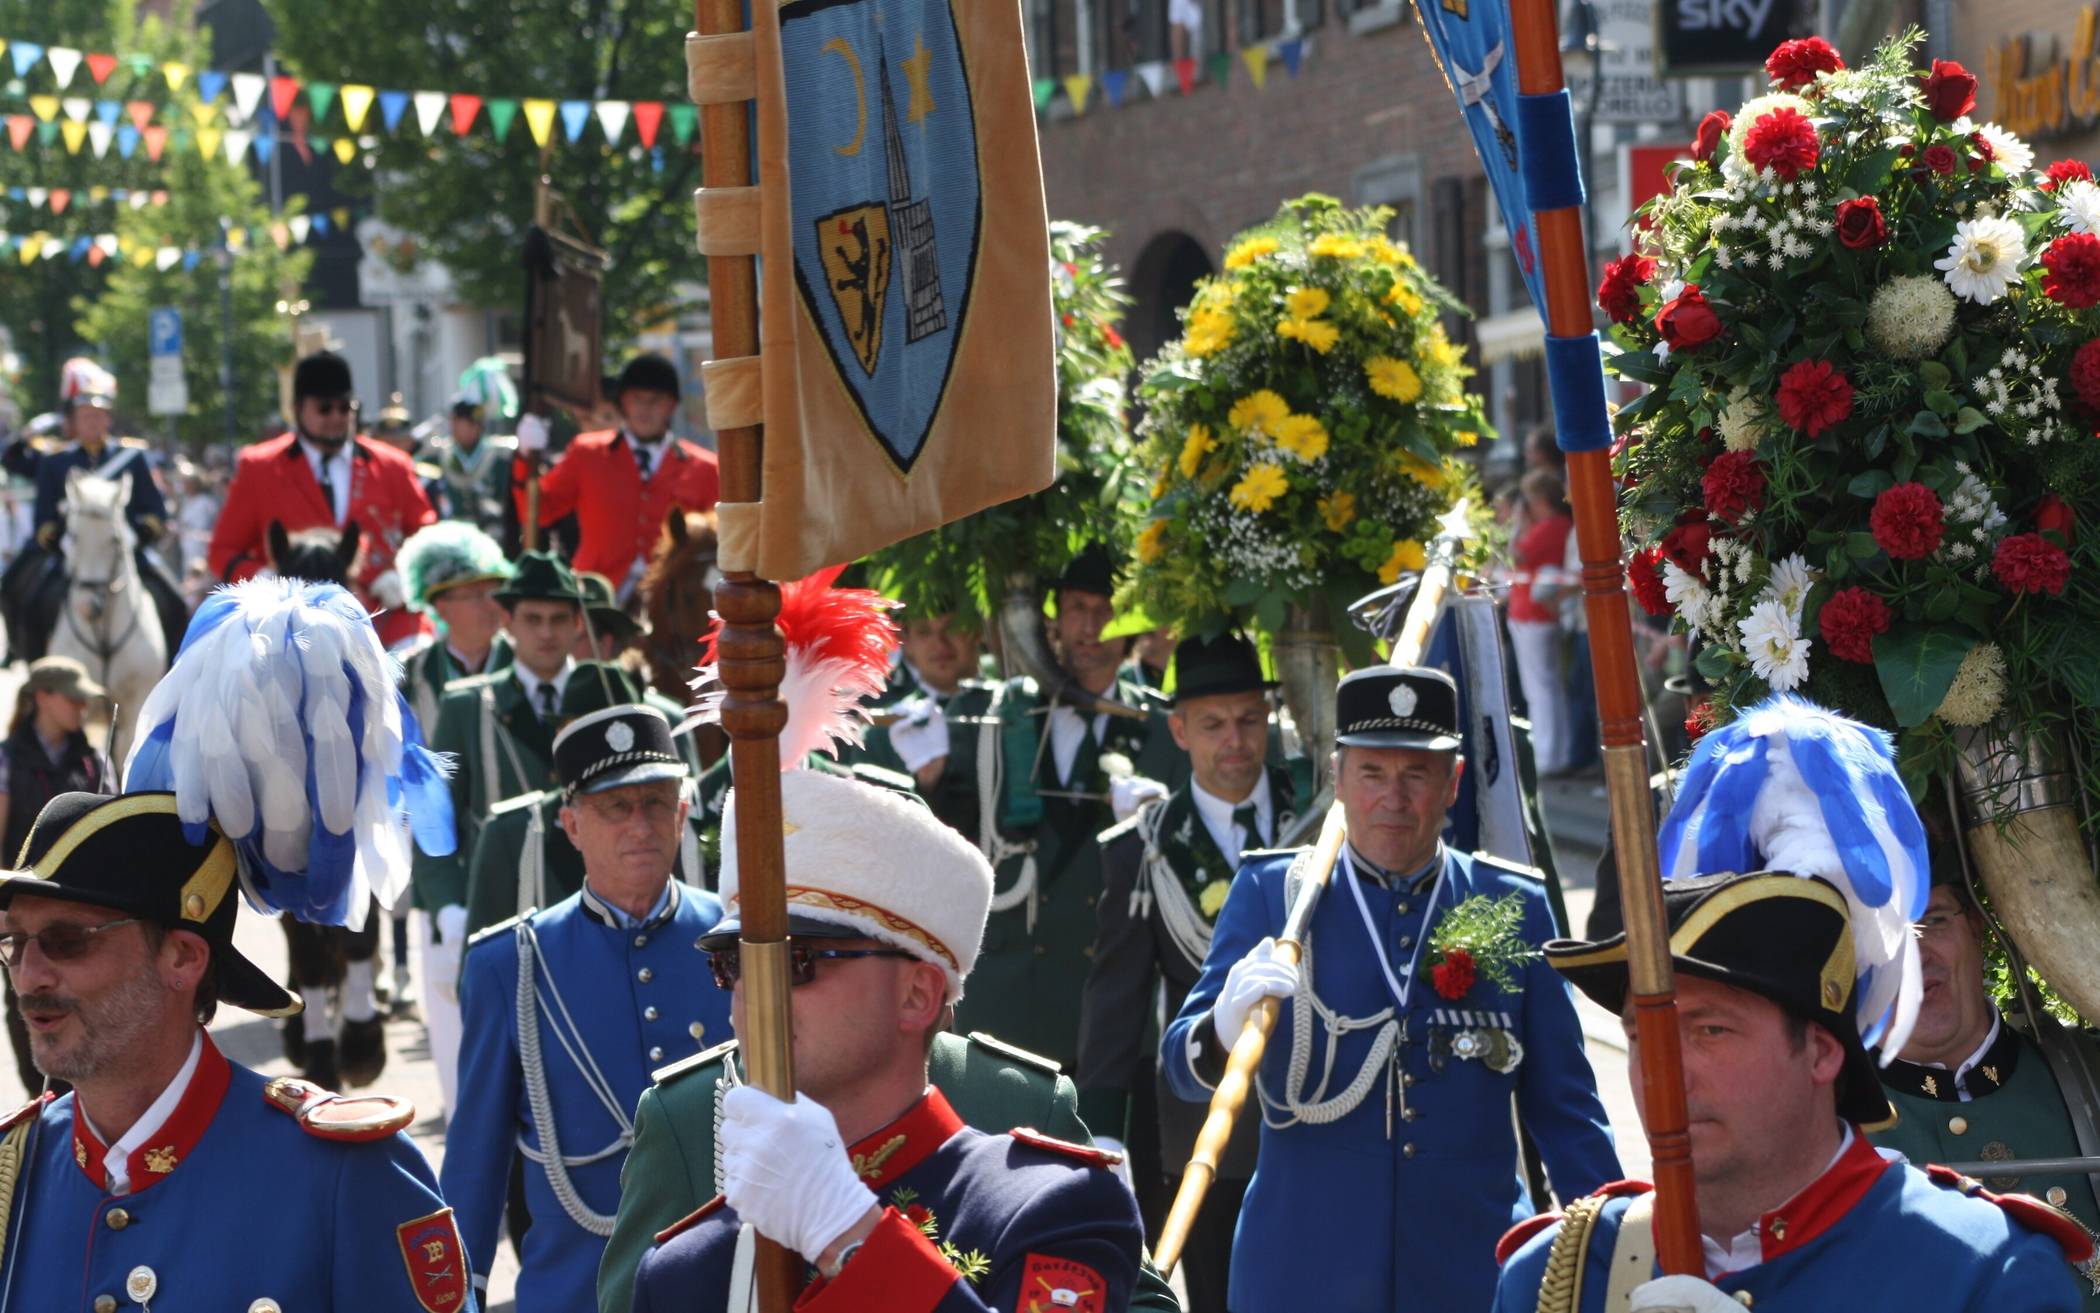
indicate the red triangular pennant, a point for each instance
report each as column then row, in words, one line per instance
column 101, row 66
column 95, row 257
column 141, row 112
column 61, row 197
column 283, row 91
column 464, row 108
column 1185, row 74
column 648, row 116
column 19, row 126
column 156, row 140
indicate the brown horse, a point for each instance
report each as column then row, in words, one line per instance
column 678, row 597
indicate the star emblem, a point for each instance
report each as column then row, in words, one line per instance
column 1402, row 700
column 916, row 71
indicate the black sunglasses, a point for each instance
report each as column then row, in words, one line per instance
column 728, row 963
column 65, row 941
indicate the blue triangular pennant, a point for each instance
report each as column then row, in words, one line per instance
column 190, row 260
column 210, row 82
column 127, row 139
column 392, row 104
column 107, row 111
column 78, row 251
column 263, row 145
column 1113, row 82
column 321, row 224
column 574, row 114
column 26, row 54
column 1293, row 54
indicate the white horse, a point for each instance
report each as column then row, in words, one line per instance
column 108, row 623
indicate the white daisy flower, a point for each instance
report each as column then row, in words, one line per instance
column 1778, row 655
column 2079, row 204
column 1984, row 259
column 2010, row 153
column 1789, row 583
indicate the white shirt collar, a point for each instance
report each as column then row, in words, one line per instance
column 532, row 682
column 1217, row 817
column 1746, row 1249
column 116, row 1160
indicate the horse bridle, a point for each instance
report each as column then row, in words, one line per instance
column 101, row 590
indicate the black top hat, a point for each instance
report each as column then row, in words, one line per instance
column 627, row 744
column 324, row 374
column 130, row 853
column 606, row 615
column 1397, row 707
column 541, row 576
column 648, row 373
column 1212, row 667
column 1781, row 936
column 1092, row 571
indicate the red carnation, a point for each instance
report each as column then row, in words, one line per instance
column 1795, row 63
column 1734, row 485
column 1698, row 719
column 2063, row 171
column 1619, row 292
column 1950, row 90
column 1813, row 395
column 1111, row 336
column 918, row 1215
column 1940, row 158
column 1711, row 129
column 1688, row 322
column 1985, row 152
column 1860, row 225
column 1850, row 619
column 2073, row 262
column 1907, row 521
column 1688, row 543
column 1644, row 575
column 1454, row 975
column 2030, row 563
column 1783, row 141
column 2085, row 373
column 2053, row 517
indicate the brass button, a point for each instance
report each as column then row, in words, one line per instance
column 1958, row 1125
column 641, row 941
column 265, row 1305
column 1407, row 1078
column 1407, row 1150
column 1743, row 1297
column 1401, row 910
column 2057, row 1195
column 656, row 1053
column 645, row 975
column 105, row 1304
column 696, row 1030
column 1407, row 1114
column 193, row 907
column 649, row 1013
column 117, row 1218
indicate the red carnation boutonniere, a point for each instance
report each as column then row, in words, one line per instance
column 1482, row 936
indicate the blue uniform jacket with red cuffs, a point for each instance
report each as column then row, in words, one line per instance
column 234, row 1203
column 1871, row 1233
column 971, row 1221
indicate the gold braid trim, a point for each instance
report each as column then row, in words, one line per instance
column 1560, row 1289
column 11, row 1151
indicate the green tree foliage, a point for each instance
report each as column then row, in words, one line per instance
column 469, row 200
column 58, row 308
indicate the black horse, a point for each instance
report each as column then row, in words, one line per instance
column 329, row 963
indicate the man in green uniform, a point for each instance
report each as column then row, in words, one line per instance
column 947, row 725
column 500, row 729
column 1971, row 1086
column 1164, row 876
column 472, row 481
column 451, row 570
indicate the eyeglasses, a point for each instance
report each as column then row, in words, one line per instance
column 728, row 963
column 65, row 941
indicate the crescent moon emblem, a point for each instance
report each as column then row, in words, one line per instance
column 837, row 45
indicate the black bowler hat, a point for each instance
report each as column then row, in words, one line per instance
column 541, row 577
column 1213, row 667
column 323, row 375
column 648, row 373
column 1397, row 707
column 1092, row 571
column 1783, row 937
column 130, row 853
column 621, row 745
column 595, row 685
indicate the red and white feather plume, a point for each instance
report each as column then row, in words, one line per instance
column 839, row 642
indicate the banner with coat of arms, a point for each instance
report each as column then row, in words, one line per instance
column 909, row 374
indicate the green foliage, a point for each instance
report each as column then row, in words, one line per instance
column 468, row 201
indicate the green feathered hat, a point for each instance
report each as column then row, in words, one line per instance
column 446, row 555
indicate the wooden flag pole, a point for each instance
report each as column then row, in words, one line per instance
column 753, row 660
column 1536, row 37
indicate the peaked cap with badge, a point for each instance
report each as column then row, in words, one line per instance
column 614, row 747
column 1397, row 707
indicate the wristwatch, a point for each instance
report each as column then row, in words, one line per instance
column 832, row 1273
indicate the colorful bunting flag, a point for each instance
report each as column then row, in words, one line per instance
column 501, row 111
column 107, row 111
column 18, row 128
column 176, row 74
column 464, row 109
column 1154, row 76
column 166, row 258
column 1112, row 83
column 208, row 140
column 156, row 141
column 247, row 92
column 61, row 197
column 77, row 108
column 76, row 135
column 321, row 95
column 283, row 91
column 1185, row 74
column 357, row 102
column 648, row 116
column 392, row 105
column 1044, row 89
column 45, row 107
column 683, row 119
column 345, row 149
column 210, row 82
column 539, row 117
column 203, row 111
column 1077, row 85
column 1220, row 67
column 574, row 114
column 612, row 120
column 141, row 112
column 299, row 225
column 65, row 62
column 100, row 66
column 1257, row 61
column 1293, row 52
column 127, row 140
column 430, row 107
column 100, row 134
column 264, row 145
column 25, row 54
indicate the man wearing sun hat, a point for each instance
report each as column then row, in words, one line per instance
column 869, row 1174
column 172, row 1176
column 567, row 1010
column 1421, row 1012
column 452, row 571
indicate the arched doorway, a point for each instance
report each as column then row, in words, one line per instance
column 1161, row 283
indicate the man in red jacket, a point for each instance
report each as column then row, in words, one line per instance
column 320, row 475
column 621, row 483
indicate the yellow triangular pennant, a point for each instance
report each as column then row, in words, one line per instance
column 141, row 255
column 31, row 246
column 1077, row 85
column 46, row 107
column 204, row 111
column 340, row 216
column 345, row 149
column 539, row 116
column 75, row 134
column 208, row 141
column 356, row 101
column 1257, row 60
column 176, row 74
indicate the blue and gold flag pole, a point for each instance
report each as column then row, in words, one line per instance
column 1502, row 60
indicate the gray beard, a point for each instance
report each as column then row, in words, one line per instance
column 111, row 1029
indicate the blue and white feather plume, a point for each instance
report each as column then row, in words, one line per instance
column 280, row 720
column 1791, row 786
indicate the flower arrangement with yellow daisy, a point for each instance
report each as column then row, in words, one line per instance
column 1304, row 433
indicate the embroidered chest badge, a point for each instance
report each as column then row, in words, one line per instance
column 1050, row 1284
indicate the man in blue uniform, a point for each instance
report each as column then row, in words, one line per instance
column 1797, row 1208
column 869, row 1175
column 566, row 1012
column 172, row 1177
column 1388, row 1079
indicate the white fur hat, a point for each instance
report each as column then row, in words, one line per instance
column 873, row 862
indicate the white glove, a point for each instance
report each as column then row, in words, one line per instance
column 1682, row 1294
column 1253, row 978
column 785, row 1170
column 920, row 733
column 532, row 434
column 1110, row 1144
column 1127, row 793
column 441, row 958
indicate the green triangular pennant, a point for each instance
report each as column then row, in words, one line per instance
column 501, row 112
column 683, row 117
column 1220, row 66
column 46, row 133
column 319, row 96
column 319, row 144
column 1045, row 88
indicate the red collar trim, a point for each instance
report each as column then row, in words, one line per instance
column 906, row 1142
column 172, row 1143
column 1822, row 1202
